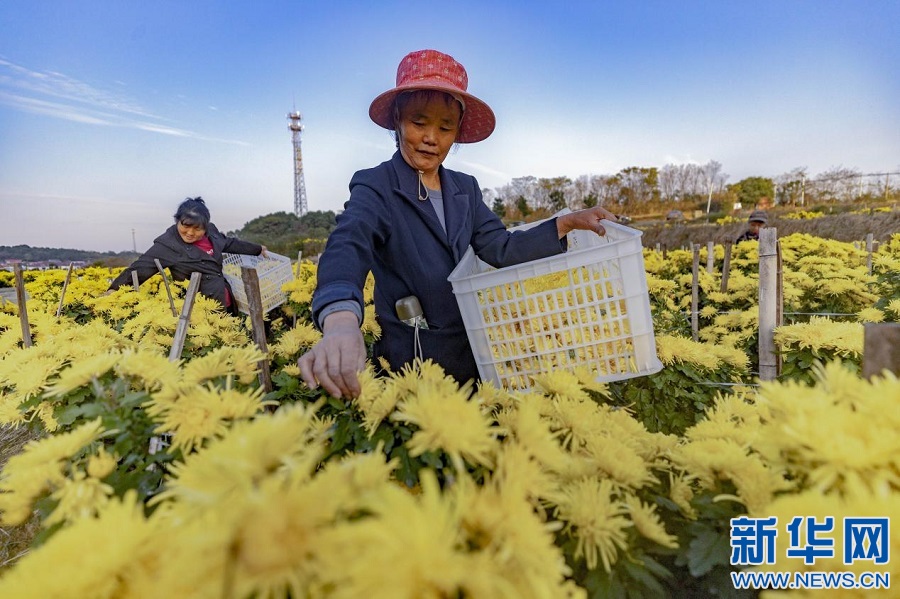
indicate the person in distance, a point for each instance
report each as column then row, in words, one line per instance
column 192, row 244
column 409, row 221
column 756, row 221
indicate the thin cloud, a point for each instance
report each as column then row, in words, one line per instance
column 485, row 169
column 50, row 198
column 74, row 100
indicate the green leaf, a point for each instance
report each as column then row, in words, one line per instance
column 706, row 551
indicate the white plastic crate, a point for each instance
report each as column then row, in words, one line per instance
column 273, row 272
column 587, row 307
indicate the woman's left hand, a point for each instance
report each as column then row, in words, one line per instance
column 265, row 252
column 588, row 219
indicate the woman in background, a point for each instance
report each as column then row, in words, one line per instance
column 192, row 244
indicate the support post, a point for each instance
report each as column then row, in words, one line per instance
column 768, row 313
column 254, row 305
column 185, row 319
column 23, row 308
column 779, row 299
column 162, row 273
column 881, row 348
column 695, row 294
column 726, row 267
column 710, row 256
column 134, row 280
column 871, row 250
column 62, row 294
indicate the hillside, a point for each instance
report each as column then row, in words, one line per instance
column 26, row 253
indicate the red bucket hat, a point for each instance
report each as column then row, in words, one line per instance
column 430, row 69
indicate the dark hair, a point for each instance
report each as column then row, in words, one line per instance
column 405, row 98
column 193, row 212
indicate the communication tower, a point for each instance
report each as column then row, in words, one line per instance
column 300, row 207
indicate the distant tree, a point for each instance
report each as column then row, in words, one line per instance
column 752, row 190
column 522, row 206
column 638, row 185
column 713, row 179
column 590, row 200
column 557, row 200
column 525, row 187
column 838, row 185
column 499, row 208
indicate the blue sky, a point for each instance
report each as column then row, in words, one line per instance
column 111, row 112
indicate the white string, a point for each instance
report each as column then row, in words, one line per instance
column 417, row 344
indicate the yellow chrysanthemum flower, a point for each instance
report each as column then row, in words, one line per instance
column 39, row 468
column 296, row 341
column 77, row 498
column 118, row 538
column 595, row 519
column 870, row 315
column 647, row 522
column 101, row 464
column 446, row 421
column 82, row 372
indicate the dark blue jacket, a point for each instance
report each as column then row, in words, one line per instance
column 385, row 228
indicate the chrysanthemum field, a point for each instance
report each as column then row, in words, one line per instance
column 151, row 478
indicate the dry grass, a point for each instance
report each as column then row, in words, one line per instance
column 15, row 540
column 842, row 227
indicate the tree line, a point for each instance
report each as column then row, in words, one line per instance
column 645, row 190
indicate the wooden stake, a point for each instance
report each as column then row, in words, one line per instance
column 184, row 320
column 162, row 273
column 62, row 294
column 297, row 268
column 881, row 348
column 23, row 308
column 726, row 267
column 779, row 299
column 870, row 249
column 134, row 280
column 710, row 256
column 695, row 294
column 257, row 320
column 768, row 292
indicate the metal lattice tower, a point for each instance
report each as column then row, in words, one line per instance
column 300, row 206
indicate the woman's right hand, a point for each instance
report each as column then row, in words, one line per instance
column 335, row 361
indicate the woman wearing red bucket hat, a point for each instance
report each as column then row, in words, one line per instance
column 409, row 221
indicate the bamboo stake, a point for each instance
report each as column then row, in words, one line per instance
column 134, row 280
column 881, row 348
column 185, row 319
column 166, row 281
column 23, row 308
column 695, row 294
column 62, row 294
column 726, row 267
column 870, row 250
column 768, row 292
column 779, row 299
column 257, row 320
column 710, row 256
column 297, row 268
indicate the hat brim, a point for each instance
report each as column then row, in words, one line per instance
column 478, row 120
